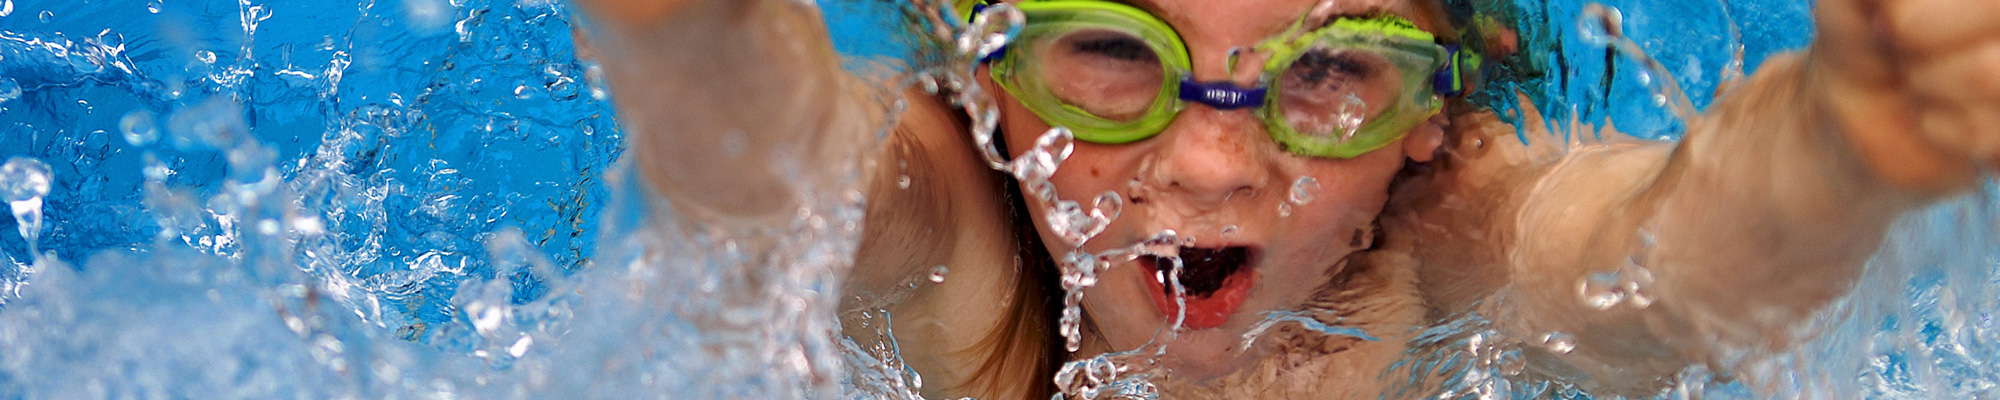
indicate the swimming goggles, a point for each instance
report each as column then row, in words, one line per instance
column 1113, row 73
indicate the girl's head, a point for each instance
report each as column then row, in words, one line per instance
column 1273, row 193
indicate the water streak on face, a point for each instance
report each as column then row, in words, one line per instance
column 1216, row 171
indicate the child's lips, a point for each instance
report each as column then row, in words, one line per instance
column 1213, row 308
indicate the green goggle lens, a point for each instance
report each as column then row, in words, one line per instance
column 1112, row 74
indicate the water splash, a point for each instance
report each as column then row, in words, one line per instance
column 24, row 182
column 1605, row 26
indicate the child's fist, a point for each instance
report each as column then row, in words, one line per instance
column 1914, row 84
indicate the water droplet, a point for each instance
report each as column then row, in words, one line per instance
column 1228, row 230
column 139, row 128
column 1510, row 362
column 153, row 6
column 48, row 16
column 1284, row 210
column 902, row 181
column 1304, row 190
column 523, row 92
column 23, row 182
column 9, row 90
column 1352, row 112
column 1600, row 25
column 1600, row 290
column 1108, row 206
column 1041, row 161
column 937, row 274
column 1558, row 342
column 23, row 178
column 991, row 30
column 6, row 7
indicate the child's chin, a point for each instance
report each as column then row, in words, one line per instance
column 1206, row 356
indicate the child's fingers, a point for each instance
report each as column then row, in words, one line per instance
column 1969, row 128
column 1923, row 27
column 1848, row 44
column 1972, row 75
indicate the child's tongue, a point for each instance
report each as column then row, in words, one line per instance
column 1204, row 310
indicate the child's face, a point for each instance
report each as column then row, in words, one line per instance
column 1218, row 177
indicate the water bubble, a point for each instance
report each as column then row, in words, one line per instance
column 48, row 16
column 153, row 6
column 1558, row 342
column 523, row 92
column 902, row 181
column 9, row 90
column 139, row 128
column 1304, row 190
column 205, row 56
column 1284, row 210
column 1228, row 230
column 937, row 274
column 6, row 7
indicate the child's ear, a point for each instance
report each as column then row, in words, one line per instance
column 1422, row 143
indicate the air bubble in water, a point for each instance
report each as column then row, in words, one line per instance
column 48, row 16
column 205, row 56
column 153, row 6
column 937, row 274
column 1284, row 209
column 1558, row 342
column 1304, row 190
column 6, row 7
column 902, row 181
column 139, row 128
column 9, row 90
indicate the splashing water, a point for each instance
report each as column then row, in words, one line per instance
column 338, row 204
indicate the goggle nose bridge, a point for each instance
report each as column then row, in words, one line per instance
column 1222, row 95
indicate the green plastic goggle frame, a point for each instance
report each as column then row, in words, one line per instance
column 1429, row 71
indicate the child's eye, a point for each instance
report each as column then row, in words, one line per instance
column 1327, row 66
column 1119, row 48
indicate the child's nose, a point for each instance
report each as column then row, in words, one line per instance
column 1210, row 157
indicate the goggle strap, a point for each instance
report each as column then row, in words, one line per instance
column 1221, row 95
column 1449, row 80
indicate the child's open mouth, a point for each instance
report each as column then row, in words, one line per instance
column 1217, row 280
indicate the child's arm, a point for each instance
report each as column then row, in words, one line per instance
column 730, row 103
column 1774, row 201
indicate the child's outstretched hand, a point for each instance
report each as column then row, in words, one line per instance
column 1914, row 84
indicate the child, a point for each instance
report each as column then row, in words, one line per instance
column 1205, row 117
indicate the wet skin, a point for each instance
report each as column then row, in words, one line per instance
column 1761, row 216
column 1212, row 169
